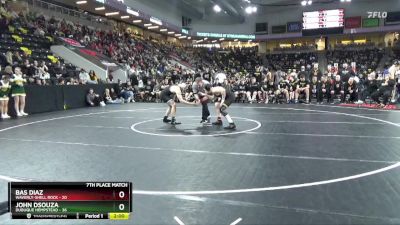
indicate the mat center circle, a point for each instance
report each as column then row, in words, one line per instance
column 191, row 127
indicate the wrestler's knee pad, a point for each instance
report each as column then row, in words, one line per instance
column 223, row 110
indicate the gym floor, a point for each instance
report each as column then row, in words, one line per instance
column 285, row 164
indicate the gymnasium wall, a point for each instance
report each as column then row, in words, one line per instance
column 55, row 98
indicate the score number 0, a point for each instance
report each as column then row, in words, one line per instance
column 121, row 195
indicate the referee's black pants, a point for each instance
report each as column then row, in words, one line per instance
column 205, row 112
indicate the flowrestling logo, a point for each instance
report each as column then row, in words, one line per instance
column 379, row 15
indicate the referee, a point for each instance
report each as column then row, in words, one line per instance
column 200, row 96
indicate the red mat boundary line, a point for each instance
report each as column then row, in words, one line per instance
column 370, row 106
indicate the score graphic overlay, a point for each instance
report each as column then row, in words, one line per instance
column 70, row 200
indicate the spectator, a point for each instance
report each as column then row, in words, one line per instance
column 9, row 58
column 8, row 70
column 26, row 69
column 3, row 24
column 43, row 71
column 127, row 92
column 84, row 77
column 384, row 91
column 60, row 70
column 350, row 89
column 60, row 81
column 111, row 97
column 303, row 86
column 93, row 77
column 110, row 78
column 94, row 99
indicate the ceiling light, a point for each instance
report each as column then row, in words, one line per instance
column 348, row 0
column 112, row 13
column 303, row 3
column 221, row 39
column 205, row 39
column 100, row 8
column 163, row 30
column 153, row 27
column 189, row 38
column 249, row 10
column 235, row 40
column 177, row 35
column 254, row 9
column 132, row 12
column 147, row 24
column 124, row 17
column 214, row 41
column 81, row 2
column 182, row 37
column 309, row 2
column 137, row 21
column 217, row 8
column 171, row 32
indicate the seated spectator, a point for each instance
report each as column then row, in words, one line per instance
column 157, row 90
column 27, row 69
column 43, row 71
column 269, row 89
column 9, row 58
column 303, row 86
column 39, row 82
column 337, row 89
column 60, row 70
column 93, row 77
column 60, row 81
column 35, row 69
column 111, row 97
column 3, row 24
column 18, row 58
column 147, row 92
column 188, row 91
column 84, row 77
column 350, row 89
column 385, row 92
column 72, row 81
column 127, row 92
column 325, row 88
column 253, row 90
column 315, row 89
column 110, row 78
column 93, row 99
column 8, row 71
column 240, row 90
column 283, row 88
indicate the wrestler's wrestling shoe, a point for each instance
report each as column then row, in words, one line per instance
column 166, row 120
column 173, row 122
column 205, row 122
column 231, row 126
column 217, row 123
